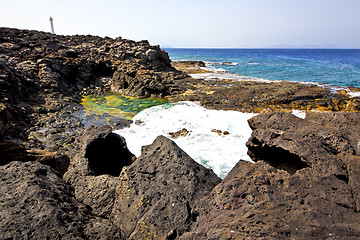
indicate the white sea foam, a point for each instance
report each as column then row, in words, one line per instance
column 219, row 153
column 215, row 75
column 354, row 94
column 219, row 73
column 221, row 63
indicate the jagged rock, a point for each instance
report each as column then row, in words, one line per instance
column 12, row 151
column 291, row 143
column 131, row 78
column 305, row 189
column 41, row 73
column 57, row 161
column 152, row 196
column 181, row 133
column 155, row 195
column 37, row 204
column 257, row 201
column 258, row 96
column 93, row 171
column 219, row 132
column 101, row 152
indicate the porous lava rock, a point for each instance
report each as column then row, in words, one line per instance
column 37, row 204
column 155, row 195
column 42, row 77
column 304, row 184
column 101, row 156
column 151, row 196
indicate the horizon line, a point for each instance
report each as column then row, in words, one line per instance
column 319, row 48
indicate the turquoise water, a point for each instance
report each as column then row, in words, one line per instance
column 331, row 66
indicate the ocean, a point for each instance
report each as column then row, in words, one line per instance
column 339, row 67
column 221, row 152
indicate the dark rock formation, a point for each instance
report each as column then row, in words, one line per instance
column 257, row 96
column 156, row 194
column 12, row 151
column 152, row 196
column 42, row 76
column 303, row 185
column 37, row 204
column 181, row 133
column 101, row 152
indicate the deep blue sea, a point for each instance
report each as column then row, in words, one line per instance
column 339, row 67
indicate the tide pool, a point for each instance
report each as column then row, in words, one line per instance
column 118, row 105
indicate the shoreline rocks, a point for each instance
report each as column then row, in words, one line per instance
column 301, row 186
column 62, row 178
column 257, row 97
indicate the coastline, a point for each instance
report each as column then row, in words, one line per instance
column 255, row 95
column 63, row 179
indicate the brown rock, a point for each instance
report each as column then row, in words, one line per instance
column 37, row 204
column 155, row 195
column 302, row 186
column 181, row 133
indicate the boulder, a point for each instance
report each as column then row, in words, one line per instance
column 291, row 143
column 37, row 204
column 155, row 195
column 11, row 151
column 101, row 152
column 93, row 171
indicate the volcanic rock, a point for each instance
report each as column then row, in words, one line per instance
column 246, row 95
column 153, row 196
column 302, row 186
column 156, row 194
column 37, row 204
column 42, row 76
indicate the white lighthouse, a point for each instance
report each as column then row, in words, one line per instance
column 52, row 25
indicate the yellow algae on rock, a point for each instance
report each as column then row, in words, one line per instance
column 117, row 105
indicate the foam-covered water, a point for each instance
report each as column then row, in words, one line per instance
column 219, row 153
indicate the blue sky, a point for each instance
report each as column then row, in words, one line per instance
column 197, row 23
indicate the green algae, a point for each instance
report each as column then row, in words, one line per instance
column 118, row 105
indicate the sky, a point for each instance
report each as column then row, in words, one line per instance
column 197, row 23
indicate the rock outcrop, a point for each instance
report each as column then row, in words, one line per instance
column 150, row 197
column 156, row 194
column 247, row 95
column 304, row 184
column 43, row 75
column 63, row 179
column 37, row 204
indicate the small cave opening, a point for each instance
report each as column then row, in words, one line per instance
column 108, row 155
column 278, row 158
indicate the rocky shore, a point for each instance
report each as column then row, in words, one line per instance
column 66, row 175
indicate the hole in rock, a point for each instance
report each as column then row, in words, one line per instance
column 342, row 177
column 108, row 155
column 278, row 158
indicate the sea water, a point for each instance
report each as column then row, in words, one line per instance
column 216, row 151
column 221, row 152
column 330, row 66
